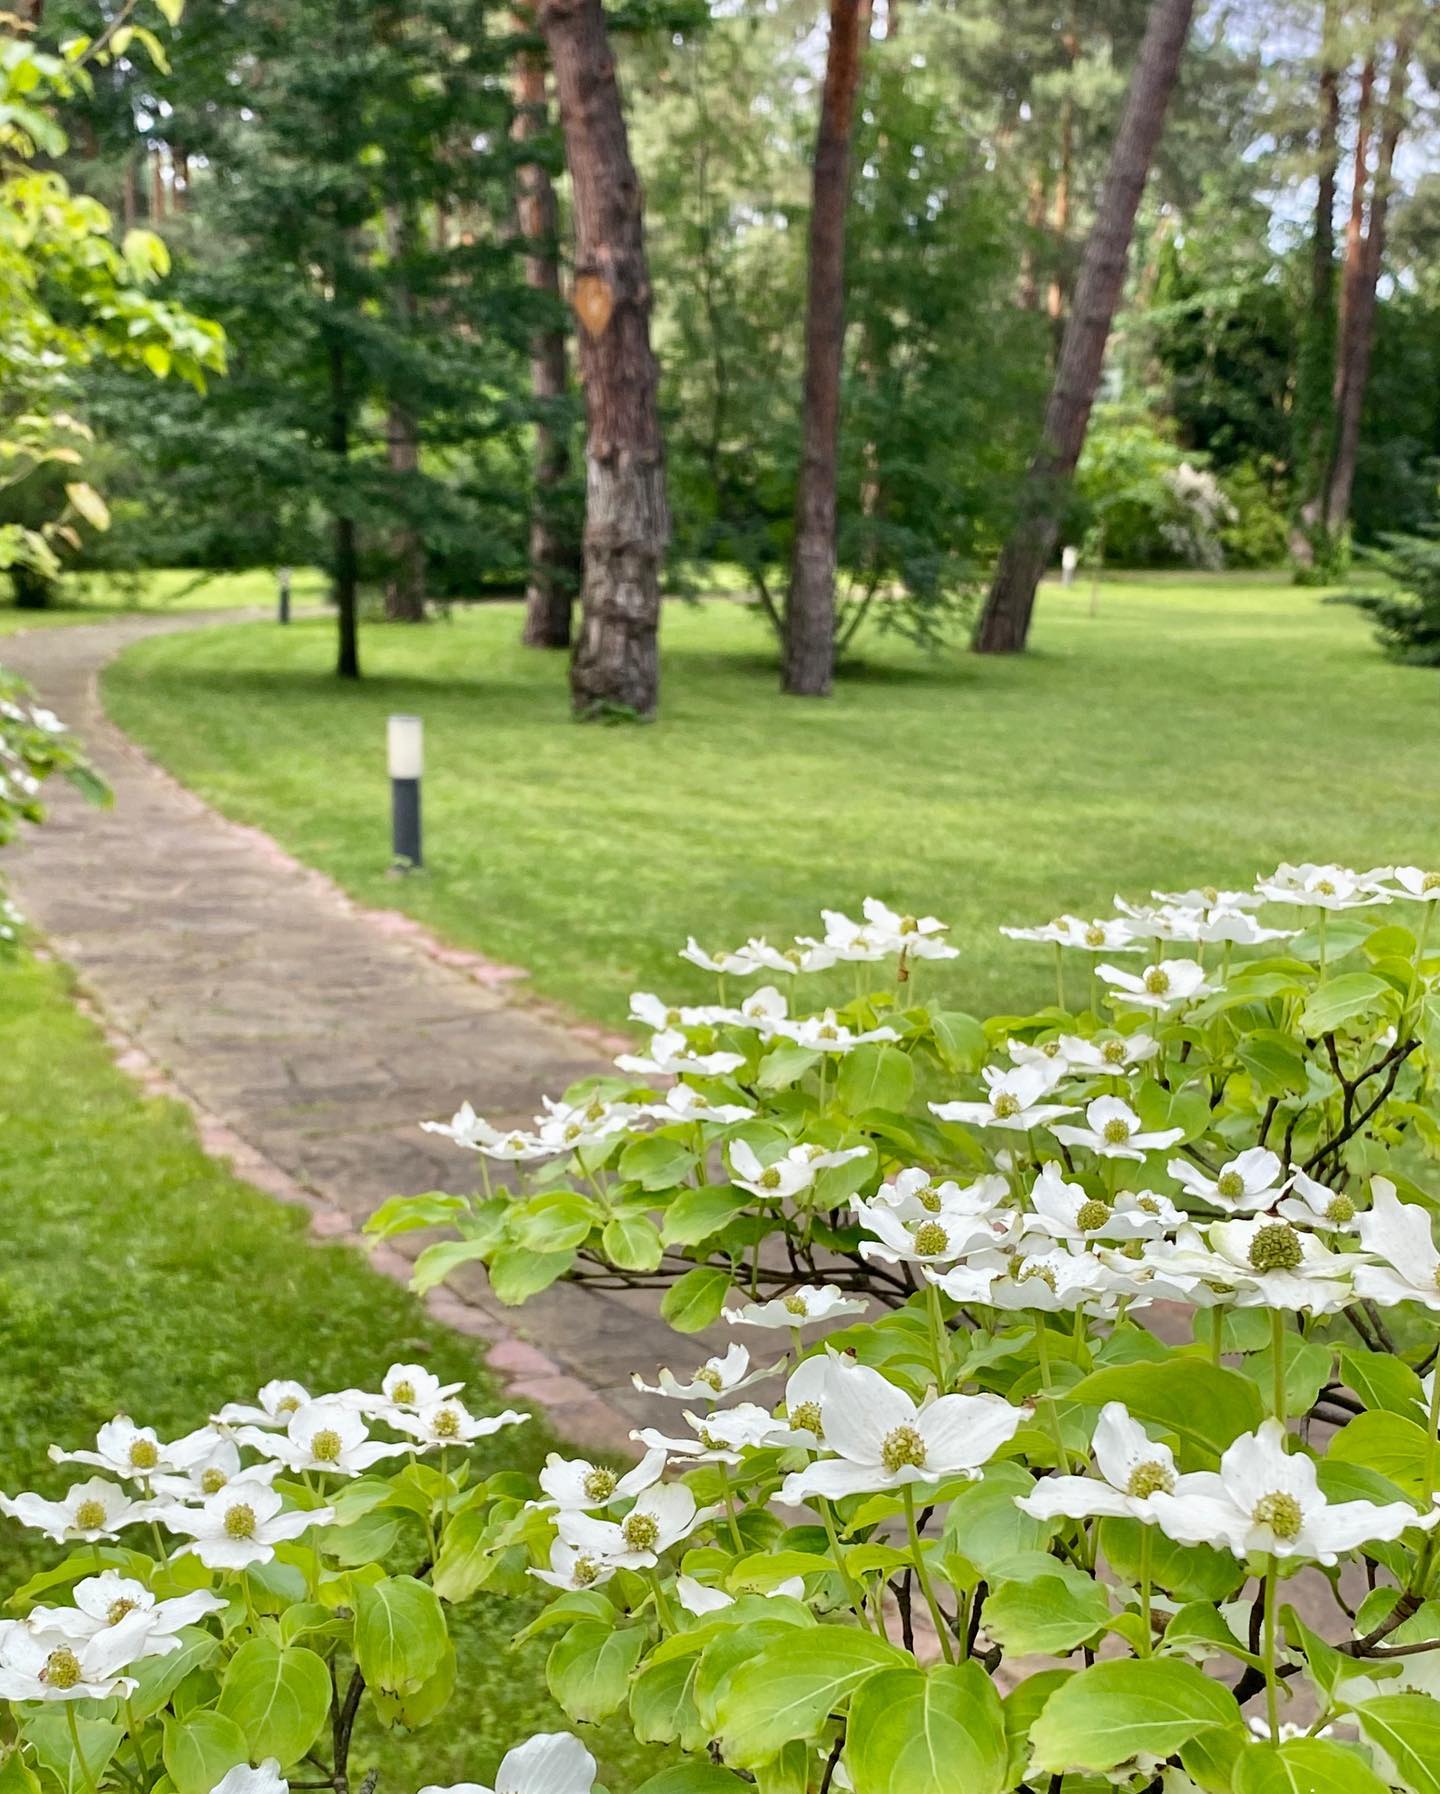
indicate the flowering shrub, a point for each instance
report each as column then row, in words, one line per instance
column 1095, row 1443
column 34, row 744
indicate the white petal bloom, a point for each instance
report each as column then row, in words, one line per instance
column 662, row 1517
column 1239, row 929
column 1319, row 887
column 107, row 1599
column 914, row 1193
column 1143, row 1215
column 722, row 1436
column 671, row 1055
column 325, row 1436
column 778, row 1181
column 683, row 1102
column 763, row 1010
column 698, row 1598
column 1066, row 1211
column 1314, row 1204
column 1056, row 1281
column 567, row 1127
column 1162, row 922
column 804, row 1389
column 208, row 1474
column 275, row 1402
column 917, row 937
column 883, row 1440
column 1012, row 1100
column 1253, row 1179
column 511, row 1145
column 741, row 964
column 801, row 1307
column 1400, row 1234
column 1111, row 934
column 657, row 1015
column 577, row 1483
column 1169, row 984
column 805, row 955
column 1409, row 882
column 932, row 1239
column 1208, row 897
column 123, row 1449
column 242, row 1779
column 38, row 1665
column 548, row 1763
column 1106, row 1054
column 1114, row 1131
column 1134, row 1469
column 241, row 1525
column 824, row 1158
column 1047, row 1057
column 716, row 1378
column 91, row 1510
column 451, row 1423
column 572, row 1568
column 1265, row 1499
column 826, row 1033
column 1274, row 1264
column 853, row 941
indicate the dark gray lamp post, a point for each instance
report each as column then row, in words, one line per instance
column 405, row 741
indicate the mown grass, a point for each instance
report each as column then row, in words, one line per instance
column 90, row 598
column 137, row 1274
column 1194, row 730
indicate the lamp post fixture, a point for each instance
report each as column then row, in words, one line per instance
column 405, row 743
column 282, row 595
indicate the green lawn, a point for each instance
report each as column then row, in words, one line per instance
column 89, row 598
column 138, row 1274
column 1195, row 730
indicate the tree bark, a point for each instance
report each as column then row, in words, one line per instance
column 346, row 580
column 405, row 586
column 1357, row 334
column 554, row 555
column 1005, row 620
column 1314, row 399
column 615, row 667
column 809, row 652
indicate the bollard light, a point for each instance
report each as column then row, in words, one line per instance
column 1069, row 561
column 405, row 744
column 282, row 582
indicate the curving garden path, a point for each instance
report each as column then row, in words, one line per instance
column 309, row 1036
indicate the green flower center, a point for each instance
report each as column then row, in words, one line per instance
column 672, row 1018
column 404, row 1393
column 585, row 1571
column 794, row 1305
column 1340, row 1210
column 596, row 1112
column 1006, row 1106
column 117, row 1610
column 1115, row 1131
column 903, row 1449
column 1230, row 1185
column 1094, row 936
column 828, row 1031
column 1430, row 882
column 769, row 1178
column 1150, row 1478
column 288, row 1404
column 1325, row 887
column 710, row 1377
column 1281, row 1513
column 240, row 1521
column 1051, row 1049
column 143, row 1455
column 1092, row 1214
column 1147, row 1205
column 1113, row 1052
column 446, row 1424
column 1157, row 981
column 90, row 1515
column 212, row 1481
column 909, row 925
column 1046, row 1274
column 929, row 1199
column 805, row 1417
column 599, row 1484
column 1276, row 1247
column 930, row 1238
column 641, row 1531
column 326, row 1446
column 1211, row 894
column 62, row 1669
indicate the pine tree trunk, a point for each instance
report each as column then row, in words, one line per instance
column 1357, row 336
column 554, row 555
column 1005, row 620
column 616, row 662
column 405, row 585
column 809, row 654
column 1314, row 398
column 346, row 584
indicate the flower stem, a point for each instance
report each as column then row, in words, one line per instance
column 1433, row 1438
column 852, row 1587
column 1217, row 1334
column 80, row 1756
column 662, row 1603
column 729, row 1499
column 1147, row 1629
column 940, row 1340
column 1042, row 1350
column 1272, row 1687
column 1277, row 1348
column 1320, row 933
column 1059, row 974
column 937, row 1618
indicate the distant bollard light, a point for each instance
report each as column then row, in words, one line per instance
column 405, row 742
column 282, row 583
column 1069, row 561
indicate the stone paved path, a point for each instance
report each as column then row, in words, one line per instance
column 309, row 1036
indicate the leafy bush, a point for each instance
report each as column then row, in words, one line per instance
column 1407, row 617
column 1141, row 503
column 997, row 1532
column 1258, row 533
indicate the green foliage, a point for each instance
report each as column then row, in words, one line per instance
column 1407, row 612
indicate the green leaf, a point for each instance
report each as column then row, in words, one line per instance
column 1407, row 1728
column 1307, row 1370
column 1304, row 1766
column 696, row 1215
column 280, row 1698
column 1274, row 1062
column 420, row 1705
column 1386, row 1443
column 1204, row 1405
column 400, row 1633
column 1341, row 999
column 170, row 10
column 406, row 1214
column 588, row 1671
column 694, row 1778
column 784, row 1065
column 1047, row 1616
column 199, row 1749
column 916, row 1733
column 961, row 1040
column 792, row 1687
column 16, row 1775
column 875, row 1076
column 436, row 1262
column 516, row 1274
column 468, row 1556
column 985, row 1525
column 1116, row 1710
column 557, row 1221
column 1189, row 1572
column 694, row 1301
column 49, row 1732
column 1383, row 1381
column 632, row 1243
column 656, row 1162
column 662, row 1703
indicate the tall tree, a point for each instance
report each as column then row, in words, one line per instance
column 554, row 554
column 615, row 667
column 809, row 655
column 1005, row 620
column 1314, row 411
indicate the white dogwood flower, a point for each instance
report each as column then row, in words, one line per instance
column 1274, row 1264
column 1114, row 1131
column 451, row 1423
column 683, row 1102
column 1314, row 1204
column 548, row 1763
column 1238, row 928
column 1134, row 1469
column 1106, row 1054
column 1109, row 934
column 1168, row 984
column 657, row 1015
column 1066, row 1211
column 123, row 1449
column 826, row 1033
column 803, row 955
column 716, row 1378
column 1046, row 1056
column 787, row 1176
column 327, row 1435
column 1265, row 1499
column 917, row 937
column 208, row 1474
column 801, row 1307
column 1319, row 887
column 1143, row 1215
column 722, row 1436
column 1054, row 1281
column 242, row 1779
column 567, row 1127
column 572, row 1568
column 1251, row 1180
column 107, row 1599
column 740, row 964
column 1012, row 1100
column 662, row 1516
column 577, row 1483
column 1208, row 897
column 1399, row 1233
column 274, row 1403
column 1409, row 882
column 671, row 1055
column 699, row 1598
column 241, row 1525
column 932, row 1239
column 42, row 1665
column 91, row 1510
column 914, row 1193
column 883, row 1440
